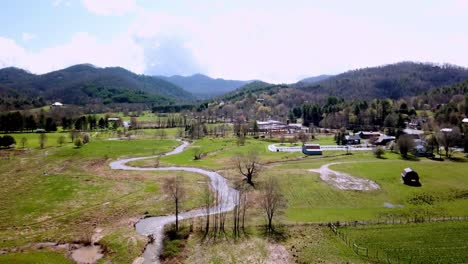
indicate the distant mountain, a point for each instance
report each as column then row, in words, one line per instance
column 84, row 83
column 389, row 81
column 255, row 87
column 315, row 79
column 204, row 86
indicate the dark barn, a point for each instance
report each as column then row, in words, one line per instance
column 410, row 177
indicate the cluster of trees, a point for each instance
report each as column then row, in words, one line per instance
column 15, row 121
column 270, row 197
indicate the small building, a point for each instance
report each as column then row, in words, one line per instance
column 57, row 104
column 368, row 134
column 311, row 149
column 410, row 177
column 465, row 121
column 260, row 100
column 384, row 140
column 352, row 140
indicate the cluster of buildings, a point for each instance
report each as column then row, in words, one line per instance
column 278, row 127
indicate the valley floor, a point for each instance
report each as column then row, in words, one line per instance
column 66, row 195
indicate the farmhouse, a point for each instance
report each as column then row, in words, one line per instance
column 352, row 140
column 368, row 134
column 311, row 149
column 384, row 140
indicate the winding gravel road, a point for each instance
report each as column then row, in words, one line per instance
column 155, row 225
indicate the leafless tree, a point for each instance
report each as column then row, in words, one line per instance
column 240, row 209
column 207, row 203
column 42, row 140
column 272, row 200
column 24, row 141
column 161, row 133
column 174, row 188
column 248, row 165
column 303, row 137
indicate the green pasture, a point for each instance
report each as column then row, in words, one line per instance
column 312, row 200
column 39, row 257
column 59, row 193
column 441, row 242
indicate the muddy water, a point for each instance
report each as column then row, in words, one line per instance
column 155, row 225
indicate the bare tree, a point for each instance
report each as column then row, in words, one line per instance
column 24, row 141
column 240, row 200
column 448, row 139
column 174, row 188
column 248, row 165
column 161, row 133
column 42, row 140
column 303, row 137
column 271, row 200
column 207, row 203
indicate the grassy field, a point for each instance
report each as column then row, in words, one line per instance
column 444, row 242
column 35, row 258
column 311, row 199
column 63, row 193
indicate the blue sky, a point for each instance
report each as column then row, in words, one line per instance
column 277, row 41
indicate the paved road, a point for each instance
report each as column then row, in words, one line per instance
column 155, row 225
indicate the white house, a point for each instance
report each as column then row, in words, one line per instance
column 57, row 104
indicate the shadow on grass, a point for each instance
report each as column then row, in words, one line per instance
column 410, row 158
column 278, row 234
column 458, row 159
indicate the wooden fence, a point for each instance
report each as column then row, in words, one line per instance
column 383, row 255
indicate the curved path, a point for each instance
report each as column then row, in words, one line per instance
column 344, row 181
column 154, row 226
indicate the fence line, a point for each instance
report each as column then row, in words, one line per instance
column 382, row 255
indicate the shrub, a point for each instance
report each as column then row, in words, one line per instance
column 78, row 142
column 378, row 152
column 86, row 138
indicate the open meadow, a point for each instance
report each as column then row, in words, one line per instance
column 66, row 194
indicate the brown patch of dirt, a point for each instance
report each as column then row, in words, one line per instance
column 277, row 254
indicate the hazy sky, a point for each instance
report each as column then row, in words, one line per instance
column 277, row 41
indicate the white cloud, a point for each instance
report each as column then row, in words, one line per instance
column 57, row 2
column 82, row 48
column 278, row 45
column 27, row 36
column 109, row 7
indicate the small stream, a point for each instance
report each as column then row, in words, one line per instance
column 155, row 225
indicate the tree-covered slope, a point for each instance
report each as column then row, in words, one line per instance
column 84, row 83
column 389, row 81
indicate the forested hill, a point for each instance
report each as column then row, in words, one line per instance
column 83, row 84
column 204, row 86
column 256, row 87
column 389, row 81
